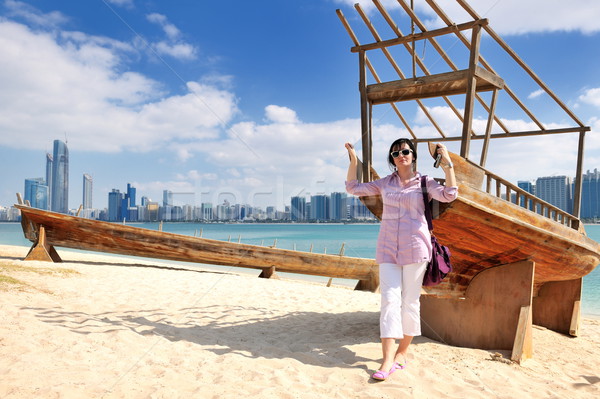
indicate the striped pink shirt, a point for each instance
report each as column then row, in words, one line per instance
column 403, row 234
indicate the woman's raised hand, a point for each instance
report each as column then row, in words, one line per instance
column 351, row 152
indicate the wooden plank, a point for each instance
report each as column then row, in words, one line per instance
column 523, row 345
column 511, row 135
column 420, row 36
column 471, row 89
column 443, row 84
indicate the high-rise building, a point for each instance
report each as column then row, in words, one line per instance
column 338, row 207
column 298, row 209
column 590, row 195
column 49, row 178
column 319, row 207
column 167, row 198
column 530, row 188
column 87, row 191
column 115, row 200
column 36, row 192
column 59, row 189
column 555, row 190
column 131, row 194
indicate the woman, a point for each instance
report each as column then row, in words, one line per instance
column 404, row 244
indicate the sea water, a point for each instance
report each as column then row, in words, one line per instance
column 354, row 240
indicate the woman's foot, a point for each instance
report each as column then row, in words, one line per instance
column 400, row 361
column 381, row 375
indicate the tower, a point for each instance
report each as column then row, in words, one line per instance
column 87, row 191
column 59, row 191
column 49, row 179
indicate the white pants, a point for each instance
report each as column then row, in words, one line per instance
column 400, row 293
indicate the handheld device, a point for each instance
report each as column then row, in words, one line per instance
column 438, row 159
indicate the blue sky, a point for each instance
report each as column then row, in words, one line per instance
column 252, row 101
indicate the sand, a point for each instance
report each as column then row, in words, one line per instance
column 104, row 327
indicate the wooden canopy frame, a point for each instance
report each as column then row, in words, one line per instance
column 478, row 77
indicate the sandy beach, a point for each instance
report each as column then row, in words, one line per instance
column 97, row 326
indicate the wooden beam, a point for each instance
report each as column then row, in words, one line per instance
column 509, row 135
column 365, row 117
column 420, row 36
column 432, row 86
column 471, row 89
column 578, row 176
column 488, row 129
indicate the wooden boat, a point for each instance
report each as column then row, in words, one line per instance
column 517, row 259
column 49, row 229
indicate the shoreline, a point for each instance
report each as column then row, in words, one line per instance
column 96, row 327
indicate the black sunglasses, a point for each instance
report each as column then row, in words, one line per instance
column 404, row 152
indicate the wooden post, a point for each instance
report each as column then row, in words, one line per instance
column 471, row 90
column 578, row 177
column 269, row 273
column 488, row 129
column 365, row 117
column 493, row 315
column 42, row 250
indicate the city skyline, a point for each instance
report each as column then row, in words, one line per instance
column 171, row 94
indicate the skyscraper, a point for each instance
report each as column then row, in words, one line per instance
column 298, row 211
column 556, row 190
column 36, row 192
column 131, row 194
column 590, row 195
column 59, row 190
column 338, row 206
column 49, row 178
column 115, row 199
column 167, row 198
column 319, row 207
column 87, row 191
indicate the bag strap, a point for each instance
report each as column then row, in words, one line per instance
column 427, row 202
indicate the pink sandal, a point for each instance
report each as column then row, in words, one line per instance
column 380, row 375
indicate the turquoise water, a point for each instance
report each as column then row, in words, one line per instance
column 358, row 240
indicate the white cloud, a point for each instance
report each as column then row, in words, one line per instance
column 174, row 46
column 277, row 114
column 508, row 17
column 33, row 15
column 591, row 96
column 75, row 85
column 171, row 30
column 535, row 94
column 122, row 3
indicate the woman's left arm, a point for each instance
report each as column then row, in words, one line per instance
column 447, row 165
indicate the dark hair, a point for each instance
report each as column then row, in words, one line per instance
column 398, row 143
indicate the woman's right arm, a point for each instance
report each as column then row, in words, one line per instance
column 353, row 163
column 352, row 184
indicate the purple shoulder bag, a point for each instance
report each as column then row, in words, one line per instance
column 439, row 265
